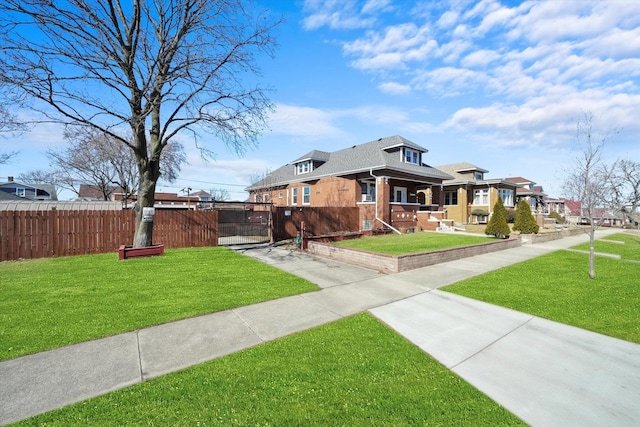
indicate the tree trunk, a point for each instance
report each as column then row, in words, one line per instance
column 144, row 221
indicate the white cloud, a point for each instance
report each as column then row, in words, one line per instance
column 341, row 14
column 392, row 48
column 305, row 122
column 450, row 81
column 479, row 58
column 394, row 88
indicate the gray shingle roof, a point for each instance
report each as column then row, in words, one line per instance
column 374, row 155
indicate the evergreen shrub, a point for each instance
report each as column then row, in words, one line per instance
column 525, row 223
column 497, row 225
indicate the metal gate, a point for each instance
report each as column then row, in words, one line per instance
column 245, row 224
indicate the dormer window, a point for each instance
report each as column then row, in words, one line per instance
column 303, row 167
column 478, row 176
column 411, row 156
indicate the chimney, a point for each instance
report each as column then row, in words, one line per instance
column 9, row 179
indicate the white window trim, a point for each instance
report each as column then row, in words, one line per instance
column 304, row 167
column 409, row 151
column 510, row 197
column 481, row 193
column 294, row 196
column 445, row 197
column 403, row 194
column 308, row 196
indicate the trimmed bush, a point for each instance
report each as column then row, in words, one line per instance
column 497, row 225
column 525, row 223
column 557, row 217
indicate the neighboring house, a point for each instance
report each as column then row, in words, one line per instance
column 532, row 193
column 576, row 214
column 554, row 205
column 469, row 197
column 28, row 191
column 573, row 211
column 387, row 179
column 90, row 193
column 200, row 200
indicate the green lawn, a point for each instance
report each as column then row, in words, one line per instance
column 53, row 302
column 353, row 372
column 557, row 287
column 628, row 249
column 402, row 244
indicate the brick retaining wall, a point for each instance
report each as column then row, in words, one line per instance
column 395, row 264
column 554, row 235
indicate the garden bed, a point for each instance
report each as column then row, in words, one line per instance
column 397, row 263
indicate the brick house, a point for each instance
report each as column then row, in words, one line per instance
column 468, row 197
column 532, row 193
column 387, row 179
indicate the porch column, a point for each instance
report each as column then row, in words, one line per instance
column 383, row 198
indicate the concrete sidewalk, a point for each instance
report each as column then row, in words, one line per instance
column 45, row 381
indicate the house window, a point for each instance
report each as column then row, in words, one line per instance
column 21, row 192
column 450, row 198
column 400, row 194
column 478, row 176
column 368, row 191
column 265, row 198
column 506, row 196
column 411, row 156
column 303, row 167
column 481, row 197
column 306, row 195
column 279, row 194
column 294, row 196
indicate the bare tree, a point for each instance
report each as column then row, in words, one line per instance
column 587, row 180
column 40, row 177
column 220, row 194
column 6, row 157
column 9, row 122
column 157, row 68
column 94, row 158
column 86, row 160
column 623, row 179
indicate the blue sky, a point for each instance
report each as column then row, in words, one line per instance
column 500, row 84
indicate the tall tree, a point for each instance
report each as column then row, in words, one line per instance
column 95, row 158
column 623, row 179
column 155, row 67
column 587, row 180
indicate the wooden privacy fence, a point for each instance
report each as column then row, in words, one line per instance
column 318, row 221
column 38, row 234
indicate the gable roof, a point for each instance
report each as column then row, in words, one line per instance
column 375, row 155
column 460, row 171
column 49, row 189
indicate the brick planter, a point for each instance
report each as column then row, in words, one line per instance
column 125, row 252
column 395, row 264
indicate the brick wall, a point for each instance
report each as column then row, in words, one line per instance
column 394, row 264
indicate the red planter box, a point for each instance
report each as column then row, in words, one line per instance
column 130, row 252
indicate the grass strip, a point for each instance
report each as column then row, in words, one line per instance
column 354, row 372
column 53, row 302
column 403, row 244
column 557, row 287
column 629, row 248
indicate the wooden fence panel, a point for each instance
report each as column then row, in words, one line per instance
column 37, row 234
column 318, row 221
